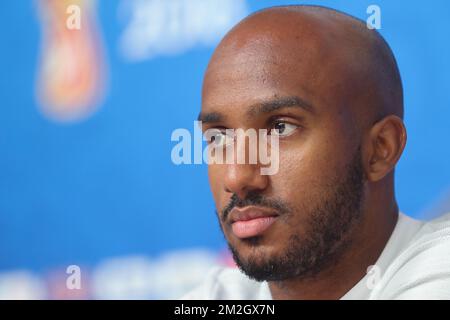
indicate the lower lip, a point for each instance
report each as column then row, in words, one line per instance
column 251, row 228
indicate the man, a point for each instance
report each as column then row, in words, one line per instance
column 326, row 225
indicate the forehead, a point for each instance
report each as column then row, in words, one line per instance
column 268, row 66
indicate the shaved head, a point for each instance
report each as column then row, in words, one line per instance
column 342, row 43
column 330, row 89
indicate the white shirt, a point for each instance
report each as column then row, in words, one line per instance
column 415, row 264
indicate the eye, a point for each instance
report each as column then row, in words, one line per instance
column 283, row 129
column 216, row 137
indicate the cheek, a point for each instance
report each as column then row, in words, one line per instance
column 307, row 170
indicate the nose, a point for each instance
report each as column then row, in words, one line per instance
column 244, row 178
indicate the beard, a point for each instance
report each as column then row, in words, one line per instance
column 328, row 230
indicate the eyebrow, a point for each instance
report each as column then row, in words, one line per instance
column 209, row 117
column 262, row 107
column 280, row 103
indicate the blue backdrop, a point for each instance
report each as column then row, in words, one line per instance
column 76, row 193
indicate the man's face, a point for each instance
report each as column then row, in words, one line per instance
column 305, row 213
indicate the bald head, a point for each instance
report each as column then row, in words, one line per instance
column 336, row 56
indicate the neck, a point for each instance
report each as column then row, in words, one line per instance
column 368, row 241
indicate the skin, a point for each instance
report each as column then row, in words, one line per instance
column 348, row 77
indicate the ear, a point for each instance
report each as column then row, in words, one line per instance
column 386, row 141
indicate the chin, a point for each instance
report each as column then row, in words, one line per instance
column 255, row 249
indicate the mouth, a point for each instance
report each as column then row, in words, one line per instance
column 251, row 221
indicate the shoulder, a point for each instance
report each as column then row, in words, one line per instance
column 228, row 283
column 422, row 269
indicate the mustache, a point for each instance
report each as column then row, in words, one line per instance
column 254, row 199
